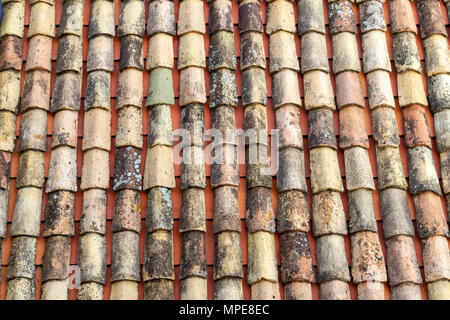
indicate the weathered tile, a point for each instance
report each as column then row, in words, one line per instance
column 422, row 172
column 252, row 51
column 431, row 21
column 125, row 256
column 255, row 125
column 159, row 289
column 310, row 17
column 410, row 89
column 193, row 257
column 127, row 211
column 417, row 132
column 95, row 172
column 21, row 259
column 250, row 17
column 27, row 213
column 93, row 212
column 127, row 169
column 372, row 16
column 98, row 91
column 325, row 174
column 358, row 171
column 66, row 92
column 131, row 19
column 321, row 129
column 375, row 53
column 21, row 289
column 193, row 169
column 280, row 17
column 436, row 258
column 349, row 90
column 384, row 126
column 318, row 90
column 445, row 171
column 401, row 261
column 221, row 51
column 59, row 214
column 390, row 170
column 92, row 258
column 396, row 216
column 33, row 131
column 191, row 50
column 341, row 17
column 297, row 291
column 72, row 21
column 9, row 90
column 192, row 215
column 124, row 290
column 36, row 91
column 7, row 130
column 266, row 290
column 101, row 19
column 291, row 174
column 191, row 17
column 441, row 125
column 11, row 53
column 401, row 16
column 100, row 54
column 379, row 89
column 129, row 127
column 97, row 129
column 430, row 217
column 328, row 214
column 367, row 258
column 293, row 211
column 65, row 129
column 12, row 23
column 160, row 49
column 262, row 263
column 223, row 89
column 131, row 52
column 5, row 168
column 331, row 259
column 220, row 16
column 226, row 210
column 228, row 289
column 160, row 126
column 192, row 85
column 223, row 126
column 437, row 55
column 406, row 54
column 345, row 53
column 159, row 168
column 130, row 88
column 259, row 210
column 42, row 20
column 224, row 170
column 288, row 123
column 361, row 211
column 158, row 263
column 285, row 88
column 159, row 210
column 69, row 54
column 55, row 262
column 258, row 166
column 31, row 169
column 4, row 203
column 192, row 120
column 283, row 54
column 160, row 88
column 62, row 173
column 352, row 131
column 314, row 52
column 438, row 93
column 439, row 290
column 228, row 259
column 161, row 18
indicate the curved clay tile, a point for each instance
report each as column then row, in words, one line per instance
column 368, row 265
column 193, row 268
column 228, row 272
column 293, row 212
column 96, row 145
column 159, row 273
column 424, row 183
column 11, row 34
column 127, row 178
column 262, row 274
column 402, row 267
column 62, row 180
column 327, row 210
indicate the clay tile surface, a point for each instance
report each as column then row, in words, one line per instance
column 225, row 226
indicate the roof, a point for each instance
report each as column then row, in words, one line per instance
column 357, row 209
